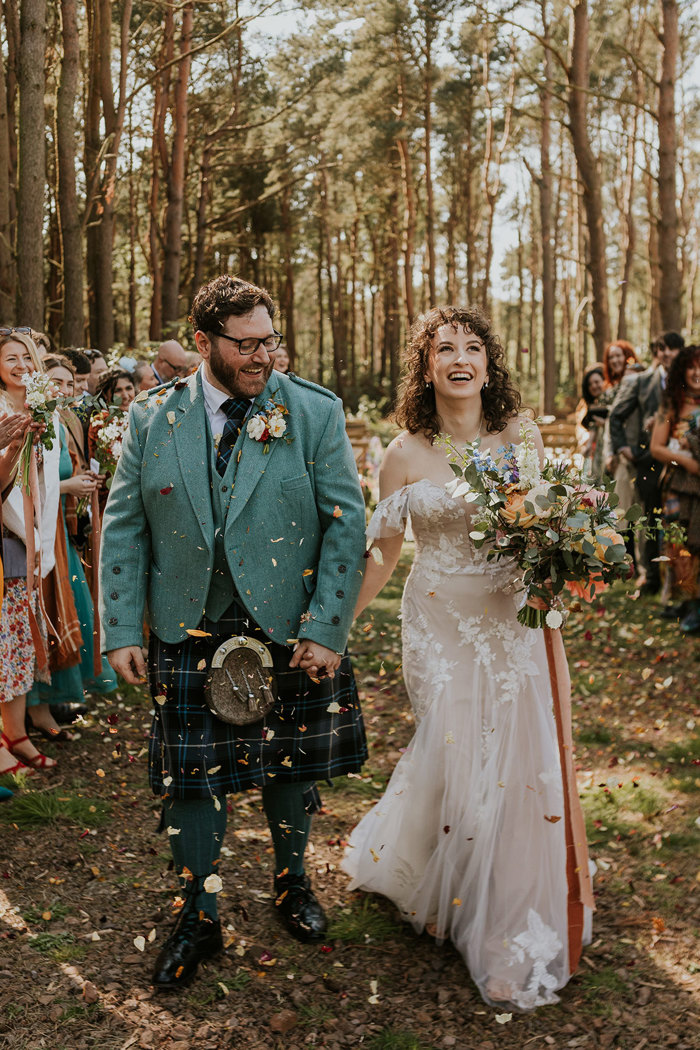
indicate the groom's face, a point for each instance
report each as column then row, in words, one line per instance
column 227, row 368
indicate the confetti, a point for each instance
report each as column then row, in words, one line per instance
column 170, row 417
column 160, row 699
column 194, row 632
column 100, row 772
column 139, row 943
column 552, row 820
column 504, row 1018
column 333, row 708
column 213, row 884
column 337, row 512
column 174, row 831
column 167, row 490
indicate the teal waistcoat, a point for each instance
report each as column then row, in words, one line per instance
column 222, row 589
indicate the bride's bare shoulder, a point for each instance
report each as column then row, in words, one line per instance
column 399, row 462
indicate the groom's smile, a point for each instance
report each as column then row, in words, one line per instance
column 239, row 374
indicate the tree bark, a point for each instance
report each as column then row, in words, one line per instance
column 589, row 175
column 175, row 182
column 549, row 365
column 8, row 282
column 32, row 163
column 70, row 226
column 670, row 290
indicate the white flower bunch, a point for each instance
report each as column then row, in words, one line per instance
column 257, row 427
column 270, row 423
column 276, row 425
column 529, row 473
column 39, row 390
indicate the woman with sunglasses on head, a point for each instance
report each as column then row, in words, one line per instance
column 22, row 628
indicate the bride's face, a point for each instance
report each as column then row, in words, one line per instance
column 458, row 365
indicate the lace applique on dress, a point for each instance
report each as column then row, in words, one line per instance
column 541, row 945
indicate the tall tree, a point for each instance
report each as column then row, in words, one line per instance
column 32, row 163
column 670, row 289
column 70, row 224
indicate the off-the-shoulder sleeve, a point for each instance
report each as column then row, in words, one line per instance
column 390, row 516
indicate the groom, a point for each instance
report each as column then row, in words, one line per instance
column 219, row 524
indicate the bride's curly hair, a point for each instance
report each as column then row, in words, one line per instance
column 415, row 405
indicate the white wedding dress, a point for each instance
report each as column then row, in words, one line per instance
column 469, row 834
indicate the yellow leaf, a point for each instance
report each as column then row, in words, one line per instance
column 194, row 632
column 100, row 772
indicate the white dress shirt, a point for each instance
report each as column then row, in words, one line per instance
column 213, row 400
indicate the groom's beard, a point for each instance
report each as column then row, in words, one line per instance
column 239, row 379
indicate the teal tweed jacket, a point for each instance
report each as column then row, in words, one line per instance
column 294, row 531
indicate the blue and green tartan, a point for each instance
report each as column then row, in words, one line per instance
column 299, row 740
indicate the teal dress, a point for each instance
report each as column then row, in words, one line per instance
column 68, row 685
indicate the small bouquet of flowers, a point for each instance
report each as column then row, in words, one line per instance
column 560, row 532
column 42, row 399
column 268, row 423
column 107, row 430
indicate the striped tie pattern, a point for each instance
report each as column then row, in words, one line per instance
column 235, row 409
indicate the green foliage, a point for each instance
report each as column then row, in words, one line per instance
column 60, row 947
column 33, row 809
column 364, row 921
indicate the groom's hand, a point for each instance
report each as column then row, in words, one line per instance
column 315, row 659
column 129, row 663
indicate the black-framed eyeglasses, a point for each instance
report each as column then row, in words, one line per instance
column 177, row 369
column 246, row 347
column 11, row 331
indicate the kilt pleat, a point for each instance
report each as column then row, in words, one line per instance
column 314, row 732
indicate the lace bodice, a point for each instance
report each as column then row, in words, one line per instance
column 440, row 526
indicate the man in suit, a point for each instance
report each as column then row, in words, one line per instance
column 170, row 361
column 640, row 395
column 221, row 525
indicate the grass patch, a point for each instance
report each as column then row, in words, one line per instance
column 364, row 922
column 37, row 808
column 57, row 909
column 368, row 786
column 315, row 1015
column 60, row 947
column 593, row 735
column 397, row 1039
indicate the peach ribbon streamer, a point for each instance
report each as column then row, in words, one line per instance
column 31, row 504
column 578, row 878
column 95, row 538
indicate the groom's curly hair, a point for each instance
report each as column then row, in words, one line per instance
column 226, row 296
column 415, row 406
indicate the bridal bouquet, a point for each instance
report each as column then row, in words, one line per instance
column 41, row 399
column 107, row 430
column 560, row 532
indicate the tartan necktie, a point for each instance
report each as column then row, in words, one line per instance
column 235, row 409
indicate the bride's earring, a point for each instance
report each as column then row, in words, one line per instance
column 428, row 385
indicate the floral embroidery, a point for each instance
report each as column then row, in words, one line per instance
column 541, row 944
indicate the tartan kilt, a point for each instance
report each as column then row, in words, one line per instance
column 300, row 739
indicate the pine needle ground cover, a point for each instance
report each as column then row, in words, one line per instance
column 85, row 885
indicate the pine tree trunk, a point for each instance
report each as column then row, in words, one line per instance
column 32, row 163
column 8, row 274
column 579, row 86
column 72, row 331
column 428, row 126
column 288, row 279
column 670, row 290
column 175, row 188
column 549, row 365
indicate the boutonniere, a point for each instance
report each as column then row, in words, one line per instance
column 268, row 424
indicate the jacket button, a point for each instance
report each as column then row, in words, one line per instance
column 224, row 488
column 114, row 596
column 342, row 568
column 116, row 570
column 335, row 620
column 340, row 594
column 112, row 621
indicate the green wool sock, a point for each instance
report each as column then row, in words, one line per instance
column 290, row 824
column 200, row 830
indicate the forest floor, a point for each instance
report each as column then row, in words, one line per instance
column 85, row 889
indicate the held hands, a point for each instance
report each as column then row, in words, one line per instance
column 129, row 663
column 315, row 659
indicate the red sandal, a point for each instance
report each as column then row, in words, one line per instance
column 19, row 767
column 39, row 762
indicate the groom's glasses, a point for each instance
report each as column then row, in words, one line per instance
column 246, row 347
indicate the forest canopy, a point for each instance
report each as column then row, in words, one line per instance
column 538, row 158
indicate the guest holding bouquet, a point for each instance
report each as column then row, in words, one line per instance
column 479, row 837
column 675, row 441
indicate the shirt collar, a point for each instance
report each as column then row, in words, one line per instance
column 213, row 397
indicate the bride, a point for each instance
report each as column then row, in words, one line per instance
column 479, row 835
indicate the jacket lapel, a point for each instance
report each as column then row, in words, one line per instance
column 191, row 436
column 251, row 461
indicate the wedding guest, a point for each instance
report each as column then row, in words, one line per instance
column 22, row 630
column 282, row 359
column 71, row 661
column 82, row 369
column 675, row 441
column 170, row 361
column 98, row 367
column 463, row 840
column 116, row 387
column 591, row 416
column 617, row 357
column 143, row 376
column 630, row 423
